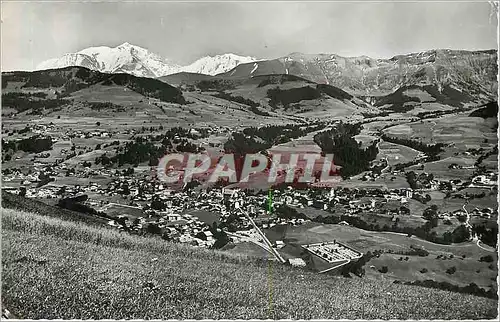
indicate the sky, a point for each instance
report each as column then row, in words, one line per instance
column 185, row 31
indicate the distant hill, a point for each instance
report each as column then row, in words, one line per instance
column 55, row 268
column 184, row 78
column 406, row 98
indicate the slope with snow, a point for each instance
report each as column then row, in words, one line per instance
column 369, row 76
column 77, row 59
column 213, row 65
column 125, row 58
column 473, row 71
column 138, row 61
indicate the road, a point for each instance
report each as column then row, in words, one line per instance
column 264, row 238
column 490, row 249
column 103, row 208
column 250, row 240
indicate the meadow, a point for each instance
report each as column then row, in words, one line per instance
column 464, row 256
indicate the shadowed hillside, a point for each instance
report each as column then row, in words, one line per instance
column 71, row 79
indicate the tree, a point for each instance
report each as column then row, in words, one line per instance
column 157, row 203
column 460, row 234
column 126, row 189
column 487, row 259
column 98, row 123
column 61, row 191
column 221, row 238
column 191, row 185
column 431, row 215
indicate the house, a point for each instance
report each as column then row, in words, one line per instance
column 279, row 244
column 170, row 216
column 230, row 192
column 297, row 262
column 319, row 204
column 185, row 238
column 205, row 235
column 208, row 235
column 194, row 132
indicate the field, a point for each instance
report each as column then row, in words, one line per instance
column 440, row 169
column 396, row 153
column 460, row 130
column 365, row 241
column 248, row 249
column 385, row 181
column 58, row 269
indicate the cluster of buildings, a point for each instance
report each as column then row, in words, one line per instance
column 183, row 228
column 489, row 179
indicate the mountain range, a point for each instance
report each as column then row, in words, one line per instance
column 130, row 59
column 469, row 70
column 369, row 76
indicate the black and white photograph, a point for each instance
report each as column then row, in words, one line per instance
column 249, row 160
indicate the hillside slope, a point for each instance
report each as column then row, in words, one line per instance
column 213, row 65
column 52, row 268
column 65, row 81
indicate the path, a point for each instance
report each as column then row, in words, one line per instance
column 486, row 249
column 465, row 244
column 103, row 208
column 250, row 240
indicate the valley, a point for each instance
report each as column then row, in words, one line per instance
column 415, row 194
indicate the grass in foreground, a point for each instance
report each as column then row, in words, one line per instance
column 58, row 269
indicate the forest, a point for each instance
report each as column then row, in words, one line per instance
column 347, row 152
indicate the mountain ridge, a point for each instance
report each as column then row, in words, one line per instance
column 369, row 76
column 360, row 75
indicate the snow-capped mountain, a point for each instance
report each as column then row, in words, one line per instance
column 125, row 58
column 138, row 61
column 213, row 65
column 358, row 75
column 76, row 59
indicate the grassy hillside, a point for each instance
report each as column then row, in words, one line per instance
column 53, row 268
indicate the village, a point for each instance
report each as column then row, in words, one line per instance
column 139, row 204
column 136, row 201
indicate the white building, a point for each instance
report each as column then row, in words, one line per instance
column 297, row 262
